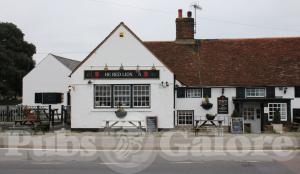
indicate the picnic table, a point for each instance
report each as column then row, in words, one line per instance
column 204, row 122
column 31, row 116
column 109, row 124
column 34, row 119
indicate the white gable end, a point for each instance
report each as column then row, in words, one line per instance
column 116, row 50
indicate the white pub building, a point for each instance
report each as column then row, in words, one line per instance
column 175, row 83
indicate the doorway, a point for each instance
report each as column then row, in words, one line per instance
column 252, row 117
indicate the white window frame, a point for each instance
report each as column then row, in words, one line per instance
column 255, row 93
column 185, row 114
column 123, row 95
column 283, row 112
column 103, row 95
column 194, row 93
column 249, row 112
column 139, row 91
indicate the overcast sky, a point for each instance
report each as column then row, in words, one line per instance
column 72, row 28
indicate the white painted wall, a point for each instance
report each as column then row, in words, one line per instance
column 48, row 76
column 290, row 93
column 114, row 52
column 194, row 104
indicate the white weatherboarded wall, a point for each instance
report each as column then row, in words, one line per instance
column 195, row 104
column 49, row 75
column 130, row 52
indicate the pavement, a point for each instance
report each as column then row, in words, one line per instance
column 155, row 141
column 164, row 152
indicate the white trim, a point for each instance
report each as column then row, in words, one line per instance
column 281, row 104
column 265, row 92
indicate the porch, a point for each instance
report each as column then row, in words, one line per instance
column 258, row 113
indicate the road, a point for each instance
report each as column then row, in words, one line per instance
column 212, row 162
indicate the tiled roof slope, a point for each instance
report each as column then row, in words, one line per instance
column 233, row 62
column 69, row 63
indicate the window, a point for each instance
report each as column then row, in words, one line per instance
column 102, row 95
column 185, row 92
column 141, row 95
column 185, row 118
column 249, row 113
column 112, row 96
column 122, row 95
column 255, row 92
column 282, row 107
column 48, row 98
column 194, row 93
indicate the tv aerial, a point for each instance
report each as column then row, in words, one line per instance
column 196, row 7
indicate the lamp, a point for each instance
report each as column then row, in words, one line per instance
column 121, row 67
column 106, row 67
column 284, row 90
column 70, row 88
column 223, row 91
column 90, row 82
column 137, row 68
column 164, row 84
column 153, row 67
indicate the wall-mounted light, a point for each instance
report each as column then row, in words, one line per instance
column 284, row 90
column 121, row 67
column 70, row 88
column 137, row 68
column 90, row 82
column 106, row 67
column 121, row 34
column 223, row 90
column 165, row 84
column 153, row 67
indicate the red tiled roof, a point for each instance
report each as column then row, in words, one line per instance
column 233, row 62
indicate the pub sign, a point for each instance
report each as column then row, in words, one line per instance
column 121, row 74
column 222, row 105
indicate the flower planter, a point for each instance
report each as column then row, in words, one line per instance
column 210, row 117
column 278, row 128
column 207, row 106
column 120, row 114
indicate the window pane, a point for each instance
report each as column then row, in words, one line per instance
column 102, row 95
column 281, row 107
column 141, row 95
column 255, row 92
column 194, row 93
column 122, row 95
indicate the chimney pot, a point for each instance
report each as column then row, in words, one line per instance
column 179, row 13
column 189, row 14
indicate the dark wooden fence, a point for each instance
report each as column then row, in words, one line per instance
column 12, row 113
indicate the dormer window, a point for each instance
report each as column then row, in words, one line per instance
column 255, row 92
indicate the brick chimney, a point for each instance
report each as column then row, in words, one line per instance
column 184, row 27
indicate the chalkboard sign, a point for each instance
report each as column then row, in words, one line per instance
column 222, row 105
column 237, row 125
column 151, row 123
